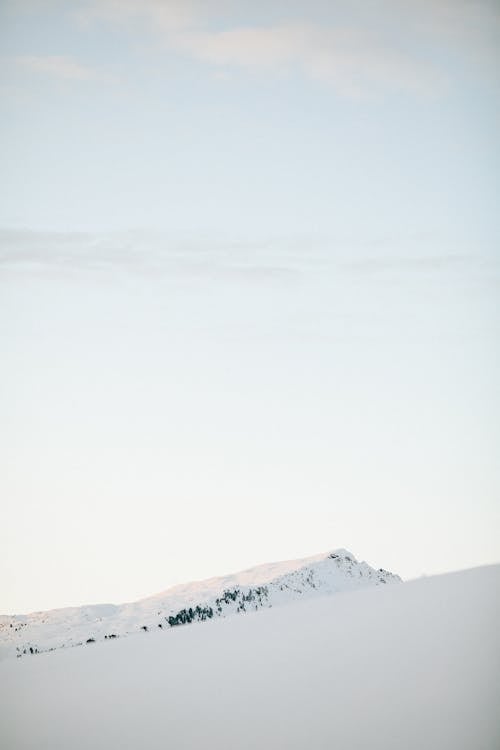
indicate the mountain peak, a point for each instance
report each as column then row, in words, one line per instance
column 342, row 553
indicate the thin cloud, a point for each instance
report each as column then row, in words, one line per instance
column 70, row 254
column 65, row 68
column 357, row 48
column 164, row 15
column 410, row 264
column 354, row 62
column 155, row 255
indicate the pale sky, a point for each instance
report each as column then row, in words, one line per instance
column 249, row 283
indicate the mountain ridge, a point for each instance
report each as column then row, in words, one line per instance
column 261, row 586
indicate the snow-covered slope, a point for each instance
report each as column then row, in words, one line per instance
column 415, row 666
column 263, row 586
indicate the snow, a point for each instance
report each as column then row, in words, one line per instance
column 409, row 666
column 266, row 585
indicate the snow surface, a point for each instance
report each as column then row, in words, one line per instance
column 266, row 585
column 414, row 666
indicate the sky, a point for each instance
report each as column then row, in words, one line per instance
column 249, row 283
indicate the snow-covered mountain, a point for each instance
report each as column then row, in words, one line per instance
column 264, row 586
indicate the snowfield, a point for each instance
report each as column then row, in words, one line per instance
column 413, row 666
